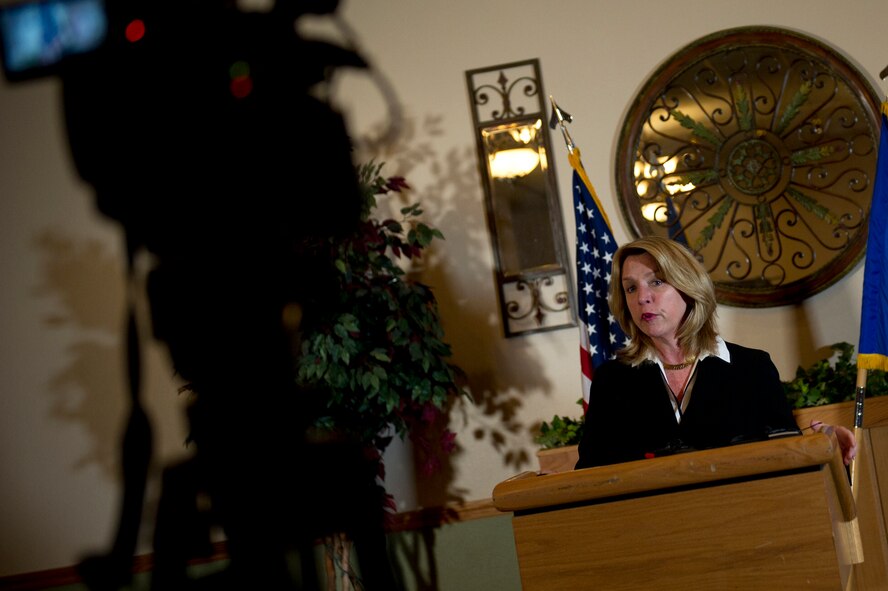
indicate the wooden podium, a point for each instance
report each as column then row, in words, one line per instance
column 767, row 515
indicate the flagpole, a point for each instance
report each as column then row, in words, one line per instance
column 561, row 117
column 855, row 576
column 600, row 333
column 858, row 425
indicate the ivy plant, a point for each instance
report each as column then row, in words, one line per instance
column 562, row 431
column 825, row 382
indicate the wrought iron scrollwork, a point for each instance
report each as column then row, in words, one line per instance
column 534, row 302
column 504, row 91
column 757, row 148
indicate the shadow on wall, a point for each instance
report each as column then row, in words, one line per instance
column 804, row 338
column 498, row 369
column 87, row 281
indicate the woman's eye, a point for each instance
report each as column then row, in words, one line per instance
column 630, row 289
column 657, row 282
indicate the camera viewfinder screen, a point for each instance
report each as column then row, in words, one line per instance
column 38, row 36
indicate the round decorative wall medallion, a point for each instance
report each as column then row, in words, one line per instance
column 756, row 147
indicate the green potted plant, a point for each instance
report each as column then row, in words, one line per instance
column 558, row 441
column 374, row 349
column 372, row 352
column 563, row 430
column 826, row 391
column 827, row 383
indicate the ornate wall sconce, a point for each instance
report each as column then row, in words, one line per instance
column 521, row 195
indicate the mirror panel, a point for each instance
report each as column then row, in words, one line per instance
column 516, row 160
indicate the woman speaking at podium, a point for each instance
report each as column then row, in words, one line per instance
column 678, row 386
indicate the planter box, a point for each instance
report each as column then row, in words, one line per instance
column 558, row 459
column 875, row 414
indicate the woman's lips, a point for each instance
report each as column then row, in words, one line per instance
column 647, row 316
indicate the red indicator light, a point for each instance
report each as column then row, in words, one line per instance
column 135, row 30
column 241, row 87
column 241, row 83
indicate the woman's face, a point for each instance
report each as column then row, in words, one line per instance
column 656, row 307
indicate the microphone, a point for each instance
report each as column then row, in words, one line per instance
column 767, row 434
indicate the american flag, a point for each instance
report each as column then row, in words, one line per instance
column 600, row 334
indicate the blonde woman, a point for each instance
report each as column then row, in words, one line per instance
column 678, row 385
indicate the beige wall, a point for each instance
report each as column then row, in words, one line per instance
column 61, row 373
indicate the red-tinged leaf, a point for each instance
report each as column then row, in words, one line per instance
column 396, row 183
column 448, row 441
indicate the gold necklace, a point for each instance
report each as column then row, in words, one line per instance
column 680, row 365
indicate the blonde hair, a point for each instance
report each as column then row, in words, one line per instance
column 678, row 267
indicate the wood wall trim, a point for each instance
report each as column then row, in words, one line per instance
column 432, row 517
column 438, row 516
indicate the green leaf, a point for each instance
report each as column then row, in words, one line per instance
column 743, row 108
column 809, row 155
column 415, row 351
column 350, row 322
column 696, row 129
column 411, row 210
column 380, row 354
column 394, row 227
column 696, row 177
column 792, row 110
column 561, row 431
column 713, row 223
column 424, row 234
column 812, row 205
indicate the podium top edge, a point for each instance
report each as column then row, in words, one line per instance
column 529, row 490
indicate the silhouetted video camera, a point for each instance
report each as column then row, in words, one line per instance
column 42, row 37
column 197, row 125
column 170, row 97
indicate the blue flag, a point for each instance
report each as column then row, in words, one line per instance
column 600, row 334
column 873, row 348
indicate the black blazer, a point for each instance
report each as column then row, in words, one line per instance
column 630, row 414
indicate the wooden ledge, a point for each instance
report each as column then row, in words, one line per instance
column 529, row 490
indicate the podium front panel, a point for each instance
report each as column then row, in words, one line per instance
column 768, row 533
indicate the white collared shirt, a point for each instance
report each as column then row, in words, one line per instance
column 721, row 352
